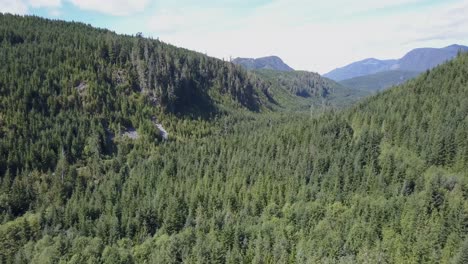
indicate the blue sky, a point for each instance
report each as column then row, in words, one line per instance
column 309, row 35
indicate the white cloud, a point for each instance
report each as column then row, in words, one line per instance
column 22, row 7
column 14, row 7
column 55, row 12
column 110, row 7
column 45, row 3
column 190, row 19
column 113, row 7
column 329, row 8
column 319, row 36
column 166, row 22
column 450, row 22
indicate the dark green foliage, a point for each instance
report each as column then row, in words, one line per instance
column 383, row 182
column 300, row 83
column 462, row 256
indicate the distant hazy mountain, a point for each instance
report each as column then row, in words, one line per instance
column 360, row 68
column 417, row 60
column 271, row 63
column 379, row 81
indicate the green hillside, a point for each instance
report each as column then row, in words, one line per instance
column 243, row 178
column 379, row 81
column 66, row 86
column 316, row 89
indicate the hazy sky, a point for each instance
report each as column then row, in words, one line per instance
column 308, row 34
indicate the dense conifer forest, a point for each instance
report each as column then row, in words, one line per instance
column 244, row 177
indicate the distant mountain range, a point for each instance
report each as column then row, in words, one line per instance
column 268, row 63
column 310, row 86
column 415, row 61
column 360, row 68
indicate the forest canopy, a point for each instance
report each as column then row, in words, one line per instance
column 241, row 179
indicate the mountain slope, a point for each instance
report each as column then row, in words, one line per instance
column 271, row 63
column 379, row 81
column 94, row 82
column 417, row 60
column 312, row 86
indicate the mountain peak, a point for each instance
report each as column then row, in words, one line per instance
column 269, row 62
column 456, row 46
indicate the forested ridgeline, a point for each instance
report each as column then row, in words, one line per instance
column 78, row 56
column 382, row 182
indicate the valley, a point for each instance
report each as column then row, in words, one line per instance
column 125, row 149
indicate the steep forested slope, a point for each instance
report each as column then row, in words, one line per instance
column 176, row 77
column 385, row 181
